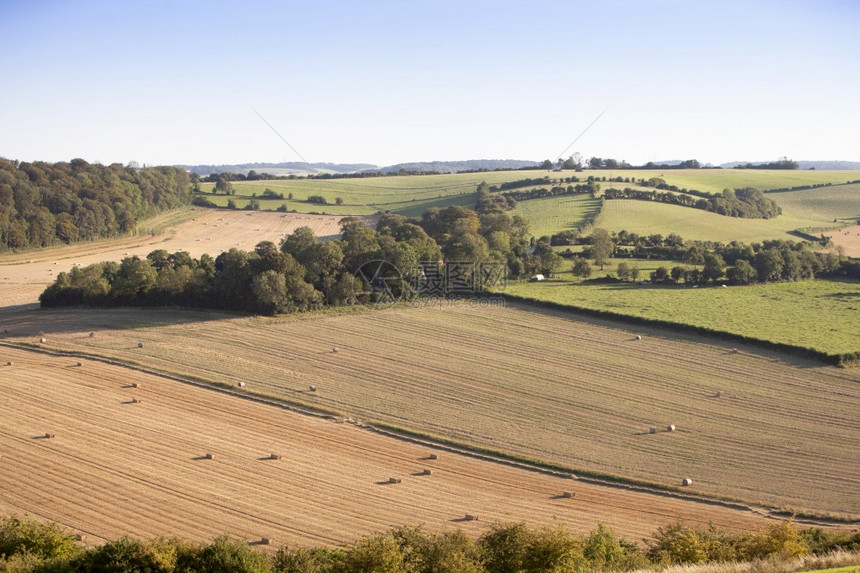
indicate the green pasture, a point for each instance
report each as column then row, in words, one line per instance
column 715, row 180
column 820, row 314
column 551, row 215
column 648, row 218
column 824, row 204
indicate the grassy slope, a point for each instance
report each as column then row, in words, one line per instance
column 823, row 205
column 553, row 214
column 818, row 314
column 715, row 180
column 647, row 218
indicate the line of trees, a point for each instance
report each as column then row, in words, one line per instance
column 43, row 204
column 739, row 263
column 303, row 273
column 748, row 203
column 31, row 547
column 540, row 192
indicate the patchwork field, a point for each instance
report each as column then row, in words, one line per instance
column 132, row 460
column 536, row 384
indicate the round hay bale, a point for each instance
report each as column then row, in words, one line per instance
column 43, row 340
column 670, row 428
column 686, row 482
column 274, row 456
column 652, row 430
column 433, row 457
column 568, row 494
column 140, row 344
column 79, row 363
column 92, row 334
column 719, row 394
column 135, row 384
column 240, row 384
column 471, row 517
column 266, row 541
column 427, row 472
column 312, row 388
column 9, row 363
column 394, row 480
column 734, row 350
column 638, row 337
column 335, row 349
column 41, row 333
column 209, row 456
column 79, row 536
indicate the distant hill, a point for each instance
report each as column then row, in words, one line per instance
column 457, row 166
column 286, row 168
column 818, row 165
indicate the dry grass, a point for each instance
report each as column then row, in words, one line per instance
column 836, row 559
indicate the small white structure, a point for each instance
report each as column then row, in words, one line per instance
column 537, row 278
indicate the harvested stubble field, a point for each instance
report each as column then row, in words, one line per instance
column 538, row 384
column 115, row 467
column 24, row 276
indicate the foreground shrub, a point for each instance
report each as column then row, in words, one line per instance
column 40, row 540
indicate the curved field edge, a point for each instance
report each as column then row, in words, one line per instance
column 834, row 358
column 506, row 380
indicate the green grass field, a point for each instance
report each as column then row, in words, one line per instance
column 553, row 214
column 648, row 218
column 824, row 204
column 715, row 180
column 819, row 314
column 411, row 195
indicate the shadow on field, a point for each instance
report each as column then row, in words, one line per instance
column 31, row 321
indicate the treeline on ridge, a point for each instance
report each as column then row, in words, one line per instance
column 42, row 204
column 33, row 547
column 303, row 273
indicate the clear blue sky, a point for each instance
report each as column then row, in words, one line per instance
column 381, row 82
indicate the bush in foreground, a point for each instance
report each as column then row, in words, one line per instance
column 32, row 547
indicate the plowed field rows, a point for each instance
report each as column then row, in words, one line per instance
column 114, row 467
column 533, row 383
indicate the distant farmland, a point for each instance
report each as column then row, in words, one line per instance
column 536, row 384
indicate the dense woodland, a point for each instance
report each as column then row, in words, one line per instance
column 303, row 273
column 42, row 204
column 29, row 546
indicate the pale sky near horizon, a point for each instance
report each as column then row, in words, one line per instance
column 383, row 82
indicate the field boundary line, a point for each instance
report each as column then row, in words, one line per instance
column 843, row 360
